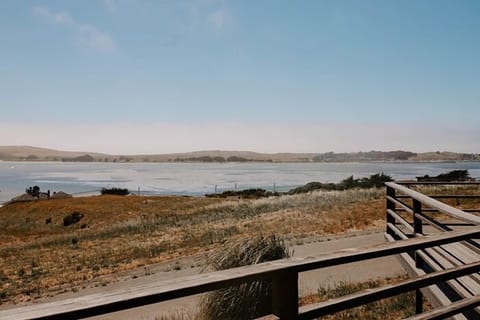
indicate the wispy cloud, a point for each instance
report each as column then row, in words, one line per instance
column 219, row 18
column 87, row 36
column 110, row 5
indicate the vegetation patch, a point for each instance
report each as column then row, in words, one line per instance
column 249, row 300
column 115, row 191
column 71, row 218
column 374, row 181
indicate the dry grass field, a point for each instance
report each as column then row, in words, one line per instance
column 121, row 233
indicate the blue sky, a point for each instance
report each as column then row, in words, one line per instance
column 311, row 76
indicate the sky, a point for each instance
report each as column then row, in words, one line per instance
column 145, row 76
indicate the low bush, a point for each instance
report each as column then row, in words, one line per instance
column 72, row 218
column 248, row 300
column 115, row 191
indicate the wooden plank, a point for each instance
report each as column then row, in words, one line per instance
column 435, row 204
column 460, row 253
column 433, row 293
column 453, row 183
column 450, row 310
column 446, row 196
column 402, row 204
column 432, row 222
column 285, row 295
column 156, row 292
column 371, row 295
column 400, row 220
column 364, row 253
column 397, row 231
column 461, row 285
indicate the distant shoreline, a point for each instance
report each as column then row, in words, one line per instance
column 35, row 154
column 237, row 162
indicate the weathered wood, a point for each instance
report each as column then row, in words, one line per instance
column 447, row 311
column 396, row 231
column 400, row 219
column 156, row 292
column 434, row 295
column 357, row 299
column 446, row 196
column 390, row 205
column 401, row 204
column 452, row 183
column 435, row 204
column 432, row 222
column 285, row 295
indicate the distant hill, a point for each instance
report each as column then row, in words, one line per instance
column 28, row 153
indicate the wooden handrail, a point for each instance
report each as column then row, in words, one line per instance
column 97, row 304
column 435, row 204
column 371, row 295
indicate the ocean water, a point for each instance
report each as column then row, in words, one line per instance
column 198, row 178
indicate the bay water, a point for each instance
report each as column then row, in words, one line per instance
column 199, row 178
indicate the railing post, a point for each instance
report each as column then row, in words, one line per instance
column 391, row 206
column 285, row 295
column 417, row 223
column 418, row 230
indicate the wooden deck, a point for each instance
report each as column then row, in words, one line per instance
column 444, row 264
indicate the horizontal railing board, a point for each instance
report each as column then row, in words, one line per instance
column 432, row 222
column 448, row 311
column 371, row 295
column 453, row 183
column 445, row 196
column 397, row 231
column 401, row 220
column 435, row 204
column 402, row 204
column 166, row 290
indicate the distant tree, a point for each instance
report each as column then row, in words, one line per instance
column 115, row 191
column 33, row 191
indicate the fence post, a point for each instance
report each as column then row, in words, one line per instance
column 417, row 223
column 285, row 294
column 418, row 230
column 391, row 206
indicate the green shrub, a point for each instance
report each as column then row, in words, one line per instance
column 115, row 191
column 248, row 300
column 72, row 218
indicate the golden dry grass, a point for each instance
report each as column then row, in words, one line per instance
column 122, row 233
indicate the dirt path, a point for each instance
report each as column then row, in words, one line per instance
column 309, row 282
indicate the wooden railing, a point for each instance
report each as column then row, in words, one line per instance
column 283, row 274
column 422, row 213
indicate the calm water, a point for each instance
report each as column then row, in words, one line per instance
column 197, row 178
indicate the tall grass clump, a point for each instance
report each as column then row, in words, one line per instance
column 249, row 300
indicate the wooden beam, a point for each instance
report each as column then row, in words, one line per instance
column 435, row 204
column 96, row 304
column 371, row 295
column 448, row 311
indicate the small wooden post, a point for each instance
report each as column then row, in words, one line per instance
column 418, row 229
column 285, row 295
column 391, row 206
column 417, row 223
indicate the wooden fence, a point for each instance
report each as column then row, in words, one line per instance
column 427, row 215
column 283, row 274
